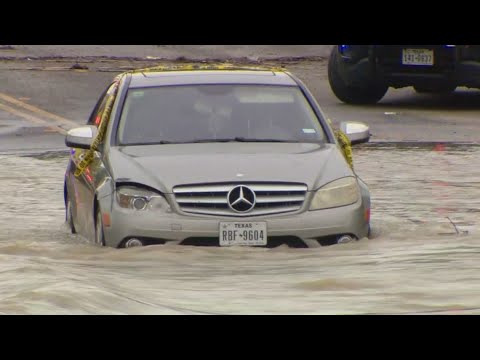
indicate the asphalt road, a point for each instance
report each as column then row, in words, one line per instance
column 40, row 94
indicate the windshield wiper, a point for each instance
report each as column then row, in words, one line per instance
column 163, row 142
column 240, row 139
column 226, row 140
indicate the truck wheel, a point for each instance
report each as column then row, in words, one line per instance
column 370, row 94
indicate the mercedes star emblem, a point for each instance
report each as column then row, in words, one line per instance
column 241, row 199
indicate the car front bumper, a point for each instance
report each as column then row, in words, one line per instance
column 164, row 226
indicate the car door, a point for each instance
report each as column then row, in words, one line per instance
column 83, row 186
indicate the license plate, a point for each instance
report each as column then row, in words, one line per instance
column 417, row 57
column 243, row 234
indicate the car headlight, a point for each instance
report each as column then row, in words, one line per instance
column 140, row 199
column 338, row 193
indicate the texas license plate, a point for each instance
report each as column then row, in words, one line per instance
column 417, row 57
column 243, row 234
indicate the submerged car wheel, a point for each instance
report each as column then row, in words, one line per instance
column 69, row 216
column 369, row 94
column 99, row 236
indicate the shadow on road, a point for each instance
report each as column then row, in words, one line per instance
column 408, row 99
column 461, row 99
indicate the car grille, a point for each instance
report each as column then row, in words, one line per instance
column 389, row 58
column 212, row 199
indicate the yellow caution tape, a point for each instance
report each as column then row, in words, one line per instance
column 205, row 67
column 90, row 155
column 345, row 145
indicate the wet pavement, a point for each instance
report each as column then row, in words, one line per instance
column 422, row 258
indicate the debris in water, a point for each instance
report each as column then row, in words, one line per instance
column 458, row 232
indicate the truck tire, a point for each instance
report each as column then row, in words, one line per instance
column 370, row 94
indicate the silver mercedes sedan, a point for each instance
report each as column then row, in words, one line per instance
column 213, row 157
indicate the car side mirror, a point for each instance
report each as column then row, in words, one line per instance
column 81, row 137
column 357, row 132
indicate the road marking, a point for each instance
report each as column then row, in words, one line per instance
column 32, row 118
column 37, row 110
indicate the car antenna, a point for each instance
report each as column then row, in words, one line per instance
column 143, row 74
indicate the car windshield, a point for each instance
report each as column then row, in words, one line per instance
column 217, row 113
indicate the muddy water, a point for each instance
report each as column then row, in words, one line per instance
column 424, row 256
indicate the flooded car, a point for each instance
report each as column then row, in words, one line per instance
column 216, row 157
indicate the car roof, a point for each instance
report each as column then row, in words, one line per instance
column 210, row 74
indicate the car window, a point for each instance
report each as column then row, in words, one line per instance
column 203, row 112
column 99, row 108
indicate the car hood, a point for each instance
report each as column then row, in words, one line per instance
column 165, row 166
